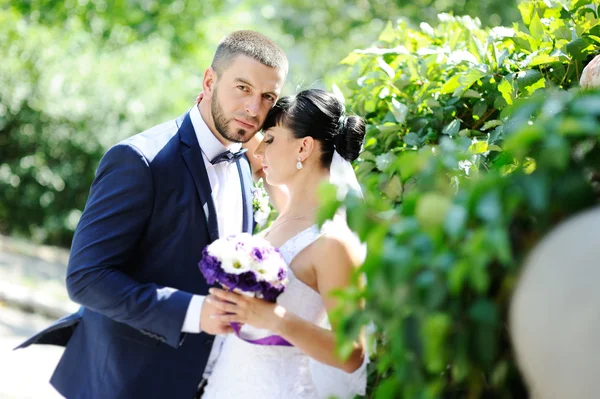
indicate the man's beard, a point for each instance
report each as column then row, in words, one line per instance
column 221, row 122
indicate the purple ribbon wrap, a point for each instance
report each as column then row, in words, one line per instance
column 271, row 340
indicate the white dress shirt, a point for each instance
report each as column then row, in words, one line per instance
column 227, row 197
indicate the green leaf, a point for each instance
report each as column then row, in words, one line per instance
column 480, row 108
column 540, row 84
column 452, row 128
column 507, row 91
column 536, row 28
column 435, row 332
column 412, row 139
column 451, row 85
column 386, row 68
column 491, row 124
column 527, row 78
column 579, row 48
column 527, row 9
column 399, row 110
column 478, row 147
column 543, row 59
column 467, row 80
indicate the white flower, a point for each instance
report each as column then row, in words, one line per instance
column 237, row 262
column 220, row 248
column 260, row 203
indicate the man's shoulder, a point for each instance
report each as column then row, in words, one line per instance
column 152, row 141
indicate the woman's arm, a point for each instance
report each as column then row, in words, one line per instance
column 334, row 271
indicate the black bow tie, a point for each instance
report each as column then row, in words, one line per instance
column 228, row 156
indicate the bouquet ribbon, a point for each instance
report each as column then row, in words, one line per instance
column 271, row 340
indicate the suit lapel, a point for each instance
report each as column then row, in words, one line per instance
column 192, row 155
column 245, row 173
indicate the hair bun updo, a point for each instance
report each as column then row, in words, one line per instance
column 348, row 141
column 320, row 115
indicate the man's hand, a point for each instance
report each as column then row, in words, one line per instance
column 209, row 322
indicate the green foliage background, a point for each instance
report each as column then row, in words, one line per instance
column 478, row 143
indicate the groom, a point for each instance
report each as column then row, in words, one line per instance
column 157, row 200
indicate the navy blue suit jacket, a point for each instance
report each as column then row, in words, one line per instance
column 133, row 267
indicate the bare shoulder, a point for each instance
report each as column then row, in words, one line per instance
column 338, row 246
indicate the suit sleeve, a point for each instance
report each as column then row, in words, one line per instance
column 107, row 236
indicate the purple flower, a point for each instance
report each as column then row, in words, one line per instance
column 230, row 281
column 270, row 292
column 258, row 253
column 249, row 283
column 210, row 267
column 282, row 274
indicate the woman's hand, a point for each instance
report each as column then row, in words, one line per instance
column 246, row 310
column 199, row 98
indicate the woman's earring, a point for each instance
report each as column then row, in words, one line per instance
column 299, row 164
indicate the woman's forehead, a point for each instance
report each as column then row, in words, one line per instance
column 278, row 130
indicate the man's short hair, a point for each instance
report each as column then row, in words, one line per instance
column 251, row 44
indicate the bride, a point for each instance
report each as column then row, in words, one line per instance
column 308, row 139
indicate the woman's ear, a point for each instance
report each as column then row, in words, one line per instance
column 307, row 146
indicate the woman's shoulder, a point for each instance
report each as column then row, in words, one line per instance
column 337, row 240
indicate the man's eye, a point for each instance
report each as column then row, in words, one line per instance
column 269, row 97
column 268, row 141
column 243, row 88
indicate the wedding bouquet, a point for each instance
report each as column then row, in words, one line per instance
column 245, row 264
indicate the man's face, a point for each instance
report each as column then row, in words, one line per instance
column 241, row 96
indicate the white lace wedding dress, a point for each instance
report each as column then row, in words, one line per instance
column 253, row 371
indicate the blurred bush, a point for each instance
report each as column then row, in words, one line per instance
column 64, row 99
column 478, row 143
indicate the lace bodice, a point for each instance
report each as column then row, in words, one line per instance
column 255, row 371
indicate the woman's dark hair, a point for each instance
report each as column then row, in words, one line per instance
column 320, row 115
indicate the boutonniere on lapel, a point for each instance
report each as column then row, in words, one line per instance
column 260, row 203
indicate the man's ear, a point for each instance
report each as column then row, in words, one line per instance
column 208, row 82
